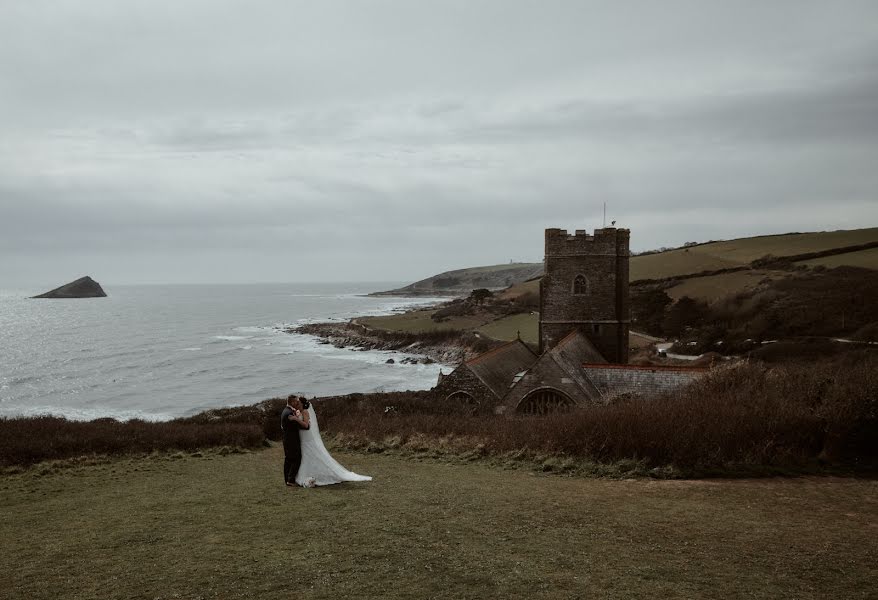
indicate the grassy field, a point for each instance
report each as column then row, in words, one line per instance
column 508, row 328
column 746, row 250
column 522, row 288
column 504, row 329
column 706, row 257
column 715, row 287
column 226, row 527
column 733, row 253
column 419, row 321
column 867, row 259
column 676, row 262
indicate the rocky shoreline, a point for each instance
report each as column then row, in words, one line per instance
column 449, row 347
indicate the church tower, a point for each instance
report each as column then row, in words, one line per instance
column 585, row 288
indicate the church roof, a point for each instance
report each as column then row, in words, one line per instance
column 571, row 353
column 497, row 367
column 577, row 349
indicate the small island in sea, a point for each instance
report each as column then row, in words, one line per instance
column 84, row 287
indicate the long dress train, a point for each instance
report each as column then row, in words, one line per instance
column 318, row 467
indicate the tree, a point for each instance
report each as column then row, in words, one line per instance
column 684, row 313
column 480, row 295
column 648, row 309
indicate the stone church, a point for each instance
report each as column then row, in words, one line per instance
column 583, row 338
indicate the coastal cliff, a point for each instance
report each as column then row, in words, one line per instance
column 463, row 281
column 447, row 347
column 84, row 287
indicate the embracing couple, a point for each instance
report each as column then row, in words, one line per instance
column 306, row 460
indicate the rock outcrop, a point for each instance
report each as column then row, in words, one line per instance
column 84, row 287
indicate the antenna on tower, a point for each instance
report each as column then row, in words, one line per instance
column 605, row 214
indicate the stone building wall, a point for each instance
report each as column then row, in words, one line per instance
column 547, row 373
column 464, row 380
column 613, row 380
column 602, row 313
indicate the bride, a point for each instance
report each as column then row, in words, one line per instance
column 318, row 467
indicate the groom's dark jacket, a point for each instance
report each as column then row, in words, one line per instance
column 290, row 428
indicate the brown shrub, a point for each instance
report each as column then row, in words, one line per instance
column 749, row 415
column 26, row 441
column 867, row 333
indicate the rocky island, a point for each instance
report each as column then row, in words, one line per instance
column 84, row 287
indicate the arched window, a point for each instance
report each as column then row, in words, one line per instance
column 580, row 285
column 464, row 400
column 544, row 401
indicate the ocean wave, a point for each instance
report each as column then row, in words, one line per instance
column 82, row 413
column 251, row 329
column 22, row 379
column 157, row 356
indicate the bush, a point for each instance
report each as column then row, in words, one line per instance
column 528, row 301
column 750, row 415
column 26, row 441
column 456, row 308
column 867, row 333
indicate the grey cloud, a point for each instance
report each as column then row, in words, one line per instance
column 390, row 140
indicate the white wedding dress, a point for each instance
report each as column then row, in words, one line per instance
column 318, row 467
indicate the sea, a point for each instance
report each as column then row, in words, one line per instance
column 157, row 352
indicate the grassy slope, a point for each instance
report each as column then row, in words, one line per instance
column 508, row 328
column 867, row 259
column 716, row 255
column 521, row 289
column 716, row 286
column 745, row 250
column 225, row 527
column 492, row 276
column 419, row 321
column 734, row 253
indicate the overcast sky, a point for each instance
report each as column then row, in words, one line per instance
column 217, row 141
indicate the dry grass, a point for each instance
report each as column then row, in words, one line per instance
column 508, row 328
column 746, row 250
column 520, row 289
column 867, row 259
column 714, row 287
column 750, row 418
column 29, row 440
column 736, row 253
column 673, row 263
column 420, row 322
column 226, row 527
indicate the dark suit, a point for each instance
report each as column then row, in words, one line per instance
column 292, row 445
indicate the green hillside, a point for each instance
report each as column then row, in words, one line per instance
column 463, row 281
column 715, row 256
column 676, row 274
column 710, row 256
column 868, row 259
column 736, row 253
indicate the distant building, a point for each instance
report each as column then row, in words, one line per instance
column 583, row 338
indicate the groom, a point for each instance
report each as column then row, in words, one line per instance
column 292, row 419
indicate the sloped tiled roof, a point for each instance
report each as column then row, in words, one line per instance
column 570, row 354
column 577, row 349
column 497, row 367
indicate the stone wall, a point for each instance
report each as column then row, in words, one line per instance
column 613, row 380
column 547, row 373
column 602, row 313
column 464, row 380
